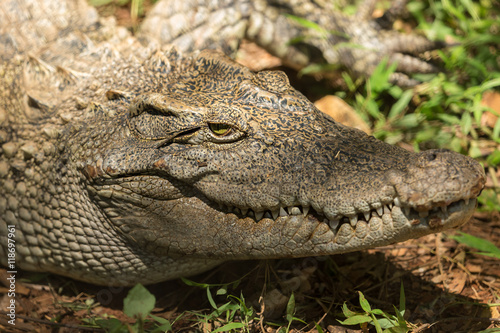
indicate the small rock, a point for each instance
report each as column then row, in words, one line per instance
column 29, row 149
column 9, row 149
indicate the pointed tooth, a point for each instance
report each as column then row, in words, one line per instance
column 276, row 213
column 424, row 213
column 283, row 212
column 294, row 211
column 406, row 210
column 268, row 215
column 466, row 201
column 387, row 210
column 367, row 216
column 244, row 211
column 305, row 210
column 333, row 223
column 397, row 202
column 237, row 210
column 353, row 220
column 251, row 213
column 380, row 211
column 443, row 209
column 259, row 215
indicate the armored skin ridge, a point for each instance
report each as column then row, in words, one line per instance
column 122, row 163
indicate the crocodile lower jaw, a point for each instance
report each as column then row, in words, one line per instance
column 433, row 218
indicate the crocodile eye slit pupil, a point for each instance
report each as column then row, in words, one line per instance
column 219, row 129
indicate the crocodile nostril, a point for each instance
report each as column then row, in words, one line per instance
column 431, row 157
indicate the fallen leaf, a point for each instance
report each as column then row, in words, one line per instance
column 490, row 99
column 342, row 112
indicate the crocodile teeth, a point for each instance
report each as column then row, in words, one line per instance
column 367, row 216
column 387, row 210
column 333, row 223
column 443, row 209
column 380, row 211
column 466, row 201
column 283, row 212
column 275, row 213
column 397, row 202
column 244, row 211
column 406, row 210
column 267, row 215
column 259, row 215
column 237, row 210
column 294, row 211
column 305, row 210
column 353, row 220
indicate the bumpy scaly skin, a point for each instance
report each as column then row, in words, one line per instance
column 359, row 43
column 129, row 170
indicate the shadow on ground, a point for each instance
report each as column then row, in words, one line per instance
column 443, row 291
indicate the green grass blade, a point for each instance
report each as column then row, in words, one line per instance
column 484, row 246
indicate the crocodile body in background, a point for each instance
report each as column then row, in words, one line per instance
column 121, row 164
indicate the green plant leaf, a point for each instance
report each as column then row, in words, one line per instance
column 466, row 123
column 112, row 325
column 307, row 24
column 194, row 284
column 379, row 80
column 97, row 3
column 494, row 158
column 402, row 301
column 386, row 323
column 397, row 329
column 229, row 327
column 210, row 299
column 398, row 107
column 221, row 291
column 318, row 328
column 364, row 303
column 378, row 312
column 166, row 325
column 491, row 330
column 139, row 302
column 485, row 246
column 290, row 308
column 347, row 313
column 496, row 131
column 356, row 319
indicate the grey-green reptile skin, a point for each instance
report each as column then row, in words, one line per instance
column 122, row 163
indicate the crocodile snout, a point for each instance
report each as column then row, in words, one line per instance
column 438, row 177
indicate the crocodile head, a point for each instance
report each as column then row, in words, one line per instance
column 219, row 162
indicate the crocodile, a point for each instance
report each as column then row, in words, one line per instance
column 122, row 163
column 322, row 35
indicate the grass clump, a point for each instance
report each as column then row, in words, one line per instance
column 381, row 320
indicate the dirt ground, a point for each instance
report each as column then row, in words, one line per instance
column 447, row 287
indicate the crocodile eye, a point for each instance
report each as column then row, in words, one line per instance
column 220, row 129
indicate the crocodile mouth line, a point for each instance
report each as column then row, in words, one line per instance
column 433, row 217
